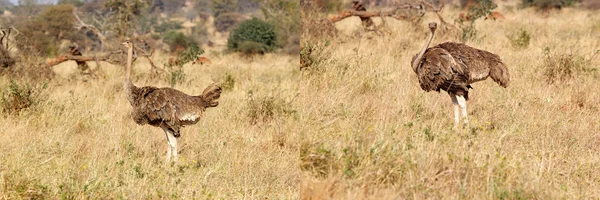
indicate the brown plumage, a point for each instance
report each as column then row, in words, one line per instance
column 453, row 67
column 167, row 108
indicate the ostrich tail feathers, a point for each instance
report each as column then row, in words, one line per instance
column 499, row 73
column 211, row 95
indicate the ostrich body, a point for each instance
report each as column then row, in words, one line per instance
column 166, row 108
column 453, row 67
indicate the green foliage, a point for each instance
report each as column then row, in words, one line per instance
column 166, row 25
column 312, row 55
column 223, row 6
column 316, row 158
column 285, row 15
column 177, row 41
column 250, row 32
column 75, row 3
column 18, row 97
column 125, row 15
column 228, row 82
column 43, row 33
column 226, row 21
column 176, row 75
column 520, row 39
column 548, row 4
column 467, row 24
column 250, row 48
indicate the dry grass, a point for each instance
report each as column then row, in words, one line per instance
column 79, row 141
column 375, row 134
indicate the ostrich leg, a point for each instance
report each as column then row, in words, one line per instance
column 172, row 144
column 456, row 111
column 462, row 102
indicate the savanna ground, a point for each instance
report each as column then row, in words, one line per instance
column 375, row 134
column 79, row 141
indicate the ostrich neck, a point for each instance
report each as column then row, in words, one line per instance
column 129, row 63
column 127, row 84
column 417, row 60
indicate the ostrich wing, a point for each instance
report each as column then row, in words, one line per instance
column 439, row 70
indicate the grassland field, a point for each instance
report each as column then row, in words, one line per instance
column 78, row 141
column 374, row 134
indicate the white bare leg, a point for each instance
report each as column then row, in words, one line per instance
column 168, row 148
column 462, row 102
column 456, row 112
column 173, row 143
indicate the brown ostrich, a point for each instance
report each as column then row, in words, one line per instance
column 166, row 108
column 453, row 67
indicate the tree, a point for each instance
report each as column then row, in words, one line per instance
column 44, row 32
column 223, row 6
column 125, row 14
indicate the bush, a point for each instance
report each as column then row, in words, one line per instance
column 562, row 67
column 548, row 4
column 250, row 48
column 467, row 23
column 18, row 97
column 250, row 33
column 176, row 75
column 266, row 108
column 520, row 39
column 44, row 32
column 178, row 41
column 225, row 22
column 311, row 55
column 228, row 82
column 284, row 14
column 220, row 7
column 167, row 25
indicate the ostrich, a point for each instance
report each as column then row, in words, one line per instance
column 166, row 108
column 453, row 67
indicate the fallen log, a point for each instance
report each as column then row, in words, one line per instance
column 110, row 58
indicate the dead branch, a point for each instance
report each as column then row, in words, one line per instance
column 82, row 25
column 5, row 59
column 147, row 56
column 438, row 11
column 401, row 12
column 109, row 57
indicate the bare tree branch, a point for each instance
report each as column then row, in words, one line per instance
column 83, row 25
column 107, row 58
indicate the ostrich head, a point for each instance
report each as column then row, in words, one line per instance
column 417, row 58
column 127, row 44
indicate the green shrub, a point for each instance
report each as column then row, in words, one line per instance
column 520, row 39
column 178, row 41
column 560, row 67
column 467, row 23
column 18, row 97
column 548, row 4
column 228, row 82
column 225, row 22
column 220, row 7
column 176, row 75
column 249, row 48
column 167, row 25
column 253, row 30
column 42, row 33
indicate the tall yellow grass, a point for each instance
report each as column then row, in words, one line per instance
column 80, row 142
column 375, row 134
